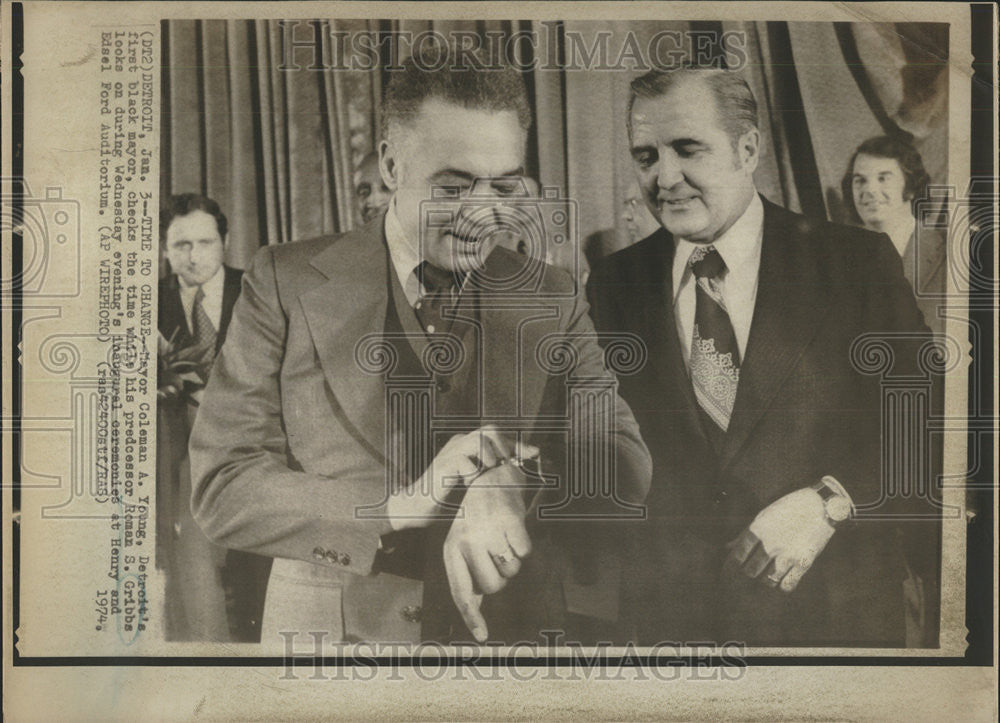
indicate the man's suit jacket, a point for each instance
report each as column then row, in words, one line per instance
column 803, row 410
column 290, row 441
column 172, row 322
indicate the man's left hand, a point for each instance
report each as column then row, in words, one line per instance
column 783, row 541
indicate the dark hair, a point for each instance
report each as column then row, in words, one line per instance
column 185, row 203
column 441, row 71
column 899, row 149
column 735, row 102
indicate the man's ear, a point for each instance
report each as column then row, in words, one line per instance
column 748, row 148
column 388, row 164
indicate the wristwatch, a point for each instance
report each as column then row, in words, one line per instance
column 836, row 504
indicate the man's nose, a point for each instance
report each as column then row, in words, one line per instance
column 668, row 171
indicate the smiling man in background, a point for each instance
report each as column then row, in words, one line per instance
column 764, row 435
column 300, row 453
column 370, row 191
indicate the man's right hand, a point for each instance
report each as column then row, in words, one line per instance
column 462, row 459
column 486, row 542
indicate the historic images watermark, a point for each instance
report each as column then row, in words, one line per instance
column 667, row 661
column 549, row 48
column 910, row 369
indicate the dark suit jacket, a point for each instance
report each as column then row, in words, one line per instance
column 803, row 410
column 290, row 440
column 172, row 322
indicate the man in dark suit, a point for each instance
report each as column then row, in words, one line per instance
column 195, row 306
column 368, row 420
column 764, row 424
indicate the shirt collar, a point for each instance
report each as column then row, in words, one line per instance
column 739, row 246
column 403, row 254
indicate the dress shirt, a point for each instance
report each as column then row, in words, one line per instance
column 212, row 301
column 405, row 257
column 740, row 248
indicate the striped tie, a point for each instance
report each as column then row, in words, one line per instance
column 203, row 329
column 715, row 357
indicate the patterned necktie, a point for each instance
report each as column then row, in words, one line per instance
column 203, row 329
column 440, row 285
column 715, row 356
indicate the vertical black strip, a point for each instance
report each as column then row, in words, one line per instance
column 16, row 263
column 563, row 100
column 327, row 114
column 199, row 68
column 253, row 54
column 795, row 125
column 527, row 60
column 166, row 168
column 982, row 333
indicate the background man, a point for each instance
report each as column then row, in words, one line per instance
column 195, row 305
column 370, row 191
column 885, row 178
column 763, row 432
column 296, row 441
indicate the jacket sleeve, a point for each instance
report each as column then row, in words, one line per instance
column 245, row 493
column 605, row 451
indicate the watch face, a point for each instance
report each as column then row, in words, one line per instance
column 838, row 508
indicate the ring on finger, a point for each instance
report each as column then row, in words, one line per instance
column 505, row 557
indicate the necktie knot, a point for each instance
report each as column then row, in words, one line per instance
column 707, row 263
column 199, row 295
column 434, row 278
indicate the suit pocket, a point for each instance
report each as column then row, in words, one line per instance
column 301, row 612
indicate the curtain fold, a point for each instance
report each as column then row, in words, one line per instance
column 278, row 150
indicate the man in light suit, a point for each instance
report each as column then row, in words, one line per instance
column 369, row 417
column 762, row 419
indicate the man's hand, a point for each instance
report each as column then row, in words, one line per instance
column 461, row 460
column 783, row 541
column 486, row 542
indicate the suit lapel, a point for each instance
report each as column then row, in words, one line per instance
column 173, row 325
column 343, row 311
column 510, row 382
column 793, row 298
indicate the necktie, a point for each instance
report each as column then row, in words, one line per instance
column 440, row 285
column 715, row 356
column 203, row 329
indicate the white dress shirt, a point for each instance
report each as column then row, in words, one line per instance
column 740, row 248
column 212, row 301
column 405, row 257
column 404, row 254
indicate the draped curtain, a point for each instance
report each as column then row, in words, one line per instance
column 278, row 149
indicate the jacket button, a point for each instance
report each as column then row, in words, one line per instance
column 331, row 556
column 319, row 553
column 345, row 559
column 411, row 613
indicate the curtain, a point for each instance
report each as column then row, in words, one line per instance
column 278, row 150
